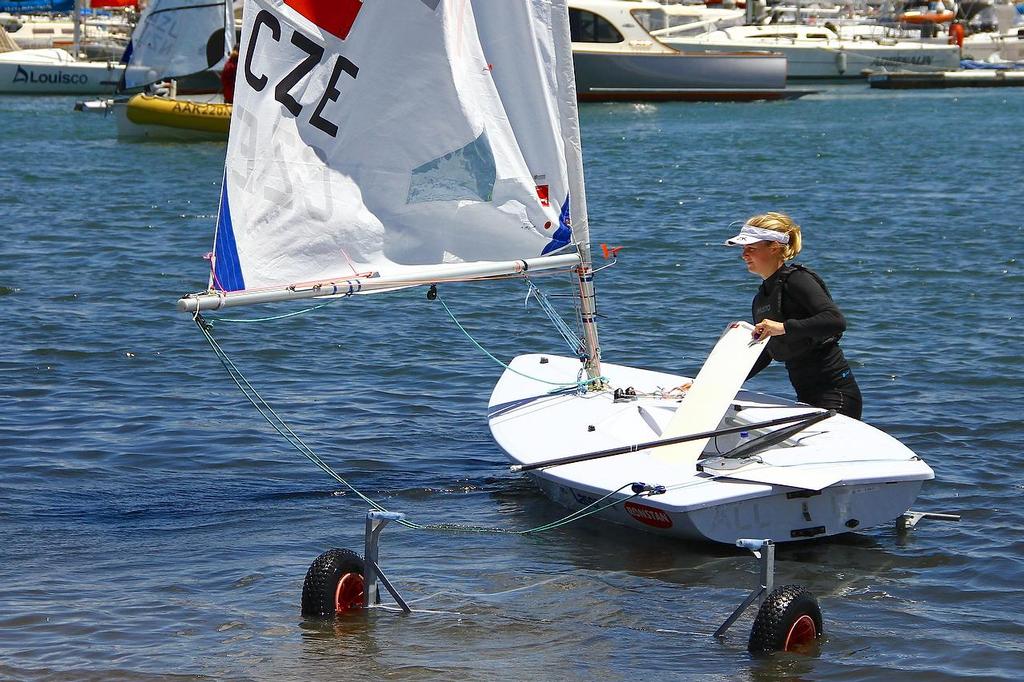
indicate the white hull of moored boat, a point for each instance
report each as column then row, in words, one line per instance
column 819, row 52
column 836, row 476
column 840, row 61
column 55, row 72
column 616, row 59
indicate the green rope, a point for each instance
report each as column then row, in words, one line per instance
column 579, row 384
column 572, row 339
column 279, row 317
column 293, row 439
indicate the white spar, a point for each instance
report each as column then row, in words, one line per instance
column 456, row 272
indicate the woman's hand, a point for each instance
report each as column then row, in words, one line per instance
column 766, row 328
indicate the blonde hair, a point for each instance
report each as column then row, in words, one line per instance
column 780, row 222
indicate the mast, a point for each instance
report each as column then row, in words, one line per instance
column 588, row 313
column 577, row 193
column 76, row 20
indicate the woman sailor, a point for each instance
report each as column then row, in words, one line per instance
column 794, row 307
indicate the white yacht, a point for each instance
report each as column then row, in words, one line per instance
column 617, row 58
column 55, row 72
column 98, row 39
column 52, row 71
column 820, row 51
column 995, row 46
column 995, row 35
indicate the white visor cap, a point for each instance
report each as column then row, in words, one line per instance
column 751, row 233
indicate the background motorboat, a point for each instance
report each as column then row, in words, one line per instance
column 99, row 38
column 617, row 58
column 820, row 51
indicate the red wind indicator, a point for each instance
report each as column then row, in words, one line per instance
column 610, row 251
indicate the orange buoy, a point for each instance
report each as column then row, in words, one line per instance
column 956, row 34
column 916, row 17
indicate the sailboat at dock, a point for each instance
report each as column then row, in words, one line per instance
column 375, row 147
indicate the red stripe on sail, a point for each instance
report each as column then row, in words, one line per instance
column 333, row 16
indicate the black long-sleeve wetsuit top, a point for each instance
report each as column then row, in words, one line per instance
column 813, row 324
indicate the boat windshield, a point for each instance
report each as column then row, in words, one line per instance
column 587, row 27
column 655, row 19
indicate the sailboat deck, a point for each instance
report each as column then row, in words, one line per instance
column 838, row 450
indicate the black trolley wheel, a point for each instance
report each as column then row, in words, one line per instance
column 788, row 620
column 334, row 584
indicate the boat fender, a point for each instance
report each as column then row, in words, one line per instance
column 841, row 62
column 956, row 34
column 789, row 620
column 334, row 584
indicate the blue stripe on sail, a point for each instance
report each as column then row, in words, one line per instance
column 563, row 235
column 227, row 270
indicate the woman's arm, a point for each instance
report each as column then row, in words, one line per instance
column 825, row 319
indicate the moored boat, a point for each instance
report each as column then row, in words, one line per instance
column 166, row 118
column 53, row 71
column 820, row 52
column 616, row 58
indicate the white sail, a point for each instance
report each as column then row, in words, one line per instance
column 382, row 138
column 176, row 38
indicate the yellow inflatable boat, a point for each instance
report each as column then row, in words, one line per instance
column 177, row 118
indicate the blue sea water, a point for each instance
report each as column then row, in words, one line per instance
column 152, row 526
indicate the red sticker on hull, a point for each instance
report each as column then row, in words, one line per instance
column 649, row 515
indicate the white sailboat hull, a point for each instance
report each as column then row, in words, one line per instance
column 836, row 476
column 55, row 72
column 773, row 516
column 835, row 59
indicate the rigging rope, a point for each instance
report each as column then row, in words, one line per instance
column 293, row 439
column 294, row 313
column 580, row 384
column 572, row 339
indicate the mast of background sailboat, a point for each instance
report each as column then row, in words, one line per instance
column 76, row 21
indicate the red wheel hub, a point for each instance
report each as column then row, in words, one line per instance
column 801, row 633
column 348, row 595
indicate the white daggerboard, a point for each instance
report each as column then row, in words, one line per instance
column 712, row 392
